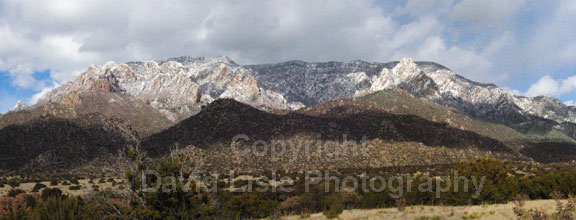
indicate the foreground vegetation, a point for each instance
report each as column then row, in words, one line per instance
column 502, row 185
column 438, row 212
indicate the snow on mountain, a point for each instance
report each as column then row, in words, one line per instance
column 19, row 107
column 179, row 87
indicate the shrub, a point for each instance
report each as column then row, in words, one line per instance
column 499, row 185
column 58, row 208
column 37, row 187
column 14, row 183
column 74, row 181
column 291, row 205
column 15, row 206
column 74, row 188
column 401, row 204
column 428, row 218
column 335, row 207
column 564, row 211
column 48, row 193
column 53, row 182
column 248, row 205
column 15, row 192
column 520, row 200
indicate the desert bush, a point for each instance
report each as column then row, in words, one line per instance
column 334, row 206
column 177, row 203
column 37, row 187
column 55, row 208
column 16, row 207
column 520, row 200
column 428, row 218
column 249, row 205
column 532, row 214
column 74, row 187
column 14, row 183
column 564, row 211
column 291, row 205
column 499, row 185
column 74, row 181
column 48, row 193
column 541, row 186
column 14, row 192
column 401, row 204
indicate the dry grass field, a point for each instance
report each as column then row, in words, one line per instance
column 85, row 187
column 485, row 212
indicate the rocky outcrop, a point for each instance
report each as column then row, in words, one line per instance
column 20, row 106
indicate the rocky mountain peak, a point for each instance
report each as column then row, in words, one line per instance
column 177, row 87
column 405, row 70
column 20, row 106
column 189, row 59
column 406, row 65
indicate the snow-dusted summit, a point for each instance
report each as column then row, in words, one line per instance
column 313, row 83
column 177, row 87
column 20, row 106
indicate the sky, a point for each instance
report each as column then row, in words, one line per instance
column 528, row 47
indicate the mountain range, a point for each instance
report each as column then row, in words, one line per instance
column 178, row 86
column 175, row 101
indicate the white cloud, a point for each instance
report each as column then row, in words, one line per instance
column 551, row 87
column 568, row 85
column 418, row 7
column 415, row 32
column 24, row 55
column 570, row 103
column 463, row 61
column 66, row 36
column 7, row 102
column 498, row 44
column 551, row 43
column 41, row 94
column 482, row 15
column 545, row 86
